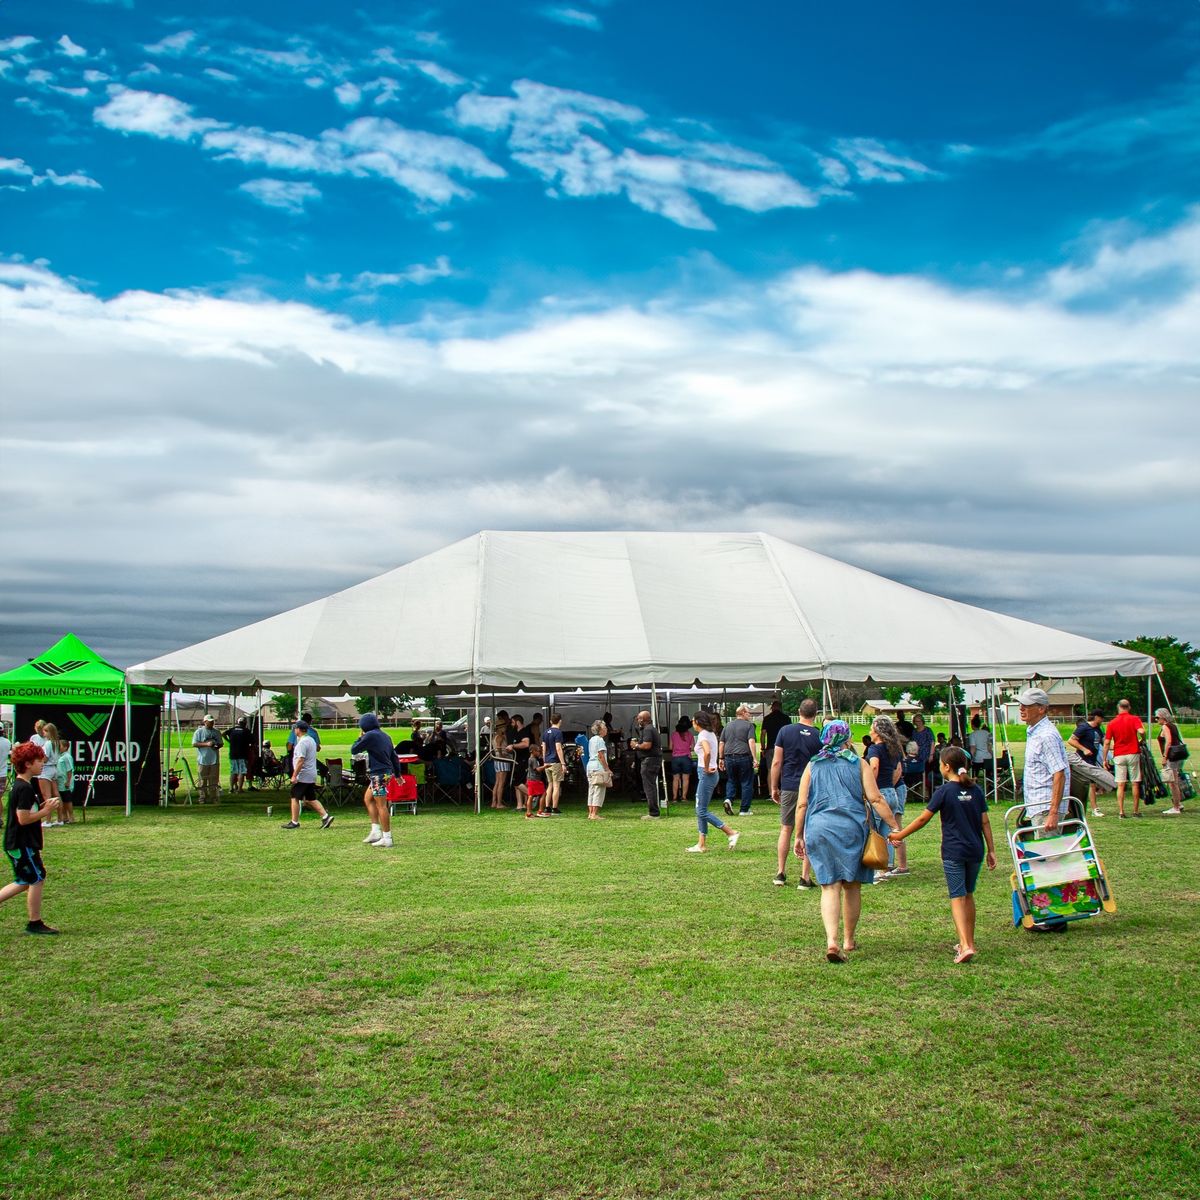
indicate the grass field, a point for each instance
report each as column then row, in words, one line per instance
column 501, row 1008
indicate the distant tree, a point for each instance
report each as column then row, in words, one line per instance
column 432, row 707
column 1178, row 662
column 285, row 707
column 791, row 698
column 384, row 706
column 927, row 695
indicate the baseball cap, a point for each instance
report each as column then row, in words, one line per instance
column 208, row 717
column 1032, row 695
column 302, row 726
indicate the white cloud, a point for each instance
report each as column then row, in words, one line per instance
column 73, row 179
column 566, row 138
column 872, row 161
column 372, row 281
column 173, row 45
column 896, row 421
column 219, row 75
column 287, row 194
column 427, row 165
column 437, row 73
column 20, row 42
column 151, row 113
column 348, row 94
column 69, row 48
column 578, row 17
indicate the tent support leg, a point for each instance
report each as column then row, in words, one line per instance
column 1162, row 687
column 662, row 762
column 991, row 699
column 128, row 759
column 1149, row 700
column 478, row 757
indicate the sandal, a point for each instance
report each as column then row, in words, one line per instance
column 962, row 956
column 834, row 955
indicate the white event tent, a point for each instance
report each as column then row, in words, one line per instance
column 558, row 611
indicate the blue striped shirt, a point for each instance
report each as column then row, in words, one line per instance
column 1045, row 756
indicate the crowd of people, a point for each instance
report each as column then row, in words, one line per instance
column 831, row 799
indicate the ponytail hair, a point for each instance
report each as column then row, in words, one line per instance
column 959, row 763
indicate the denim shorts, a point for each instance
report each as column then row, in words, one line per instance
column 681, row 764
column 960, row 876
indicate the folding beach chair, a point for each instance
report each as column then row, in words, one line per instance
column 1056, row 878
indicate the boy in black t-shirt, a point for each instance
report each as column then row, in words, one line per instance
column 965, row 829
column 23, row 834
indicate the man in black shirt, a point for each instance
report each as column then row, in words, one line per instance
column 1084, row 757
column 240, row 741
column 648, row 744
column 772, row 723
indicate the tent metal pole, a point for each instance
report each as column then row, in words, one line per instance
column 1162, row 687
column 478, row 756
column 96, row 764
column 991, row 699
column 662, row 762
column 1012, row 769
column 1150, row 699
column 128, row 759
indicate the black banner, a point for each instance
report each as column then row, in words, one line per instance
column 101, row 753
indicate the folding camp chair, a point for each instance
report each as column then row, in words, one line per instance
column 448, row 780
column 402, row 793
column 339, row 788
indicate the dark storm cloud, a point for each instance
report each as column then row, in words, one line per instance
column 220, row 460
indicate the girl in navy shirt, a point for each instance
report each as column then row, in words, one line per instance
column 965, row 829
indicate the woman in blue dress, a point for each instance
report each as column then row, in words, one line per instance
column 831, row 831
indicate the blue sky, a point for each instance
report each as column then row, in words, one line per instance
column 879, row 278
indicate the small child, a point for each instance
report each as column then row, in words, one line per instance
column 23, row 834
column 535, row 785
column 965, row 829
column 66, row 781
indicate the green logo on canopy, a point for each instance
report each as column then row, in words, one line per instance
column 87, row 725
column 49, row 668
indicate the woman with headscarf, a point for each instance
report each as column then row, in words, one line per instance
column 885, row 758
column 837, row 790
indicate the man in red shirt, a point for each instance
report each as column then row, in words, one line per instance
column 1125, row 735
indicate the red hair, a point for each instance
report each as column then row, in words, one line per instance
column 25, row 754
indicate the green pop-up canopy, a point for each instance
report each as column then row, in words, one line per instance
column 71, row 672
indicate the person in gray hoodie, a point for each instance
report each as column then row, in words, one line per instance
column 381, row 766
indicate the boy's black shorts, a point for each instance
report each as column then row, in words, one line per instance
column 27, row 866
column 304, row 791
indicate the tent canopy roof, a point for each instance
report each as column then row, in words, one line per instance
column 554, row 611
column 69, row 672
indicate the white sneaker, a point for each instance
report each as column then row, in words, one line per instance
column 733, row 840
column 1172, row 812
column 384, row 840
column 372, row 837
column 1097, row 813
column 696, row 849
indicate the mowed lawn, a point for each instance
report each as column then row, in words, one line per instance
column 502, row 1008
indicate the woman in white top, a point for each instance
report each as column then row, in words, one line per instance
column 598, row 772
column 48, row 780
column 706, row 784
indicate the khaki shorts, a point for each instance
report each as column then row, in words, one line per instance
column 1128, row 768
column 787, row 809
column 554, row 772
column 1169, row 772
